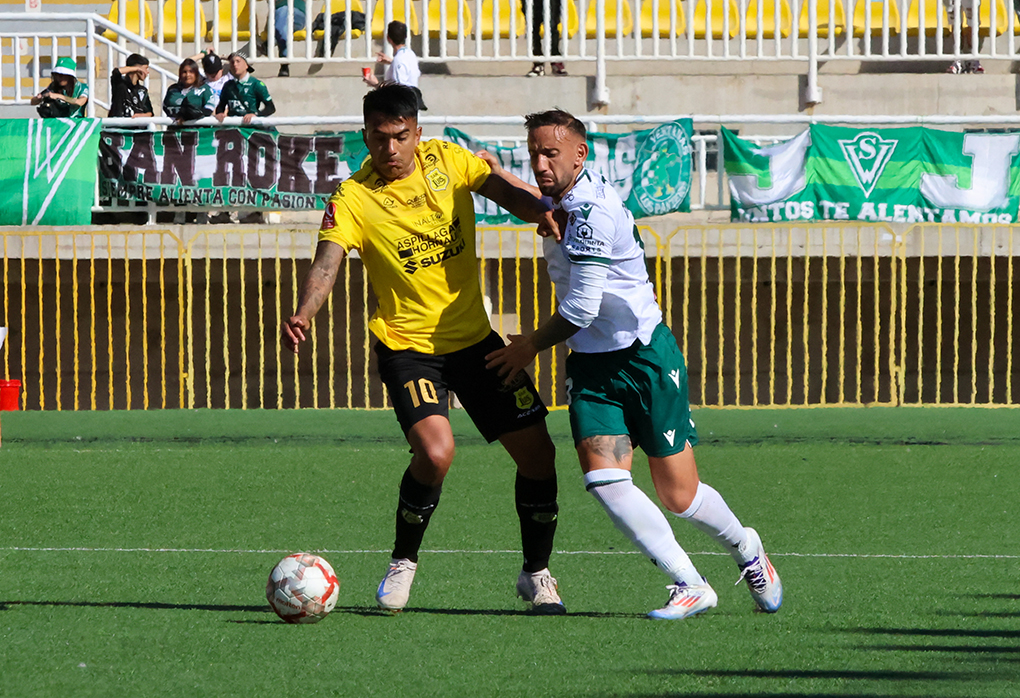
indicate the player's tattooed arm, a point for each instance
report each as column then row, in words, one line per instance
column 316, row 288
column 522, row 350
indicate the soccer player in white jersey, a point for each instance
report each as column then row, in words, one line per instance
column 625, row 376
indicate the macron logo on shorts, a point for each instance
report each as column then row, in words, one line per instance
column 670, row 435
column 675, row 375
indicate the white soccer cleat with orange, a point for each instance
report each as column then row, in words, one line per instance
column 686, row 601
column 762, row 579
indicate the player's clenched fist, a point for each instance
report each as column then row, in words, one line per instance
column 292, row 332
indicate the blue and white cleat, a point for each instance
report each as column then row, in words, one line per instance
column 395, row 587
column 686, row 601
column 762, row 579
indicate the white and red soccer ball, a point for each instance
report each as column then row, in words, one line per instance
column 303, row 588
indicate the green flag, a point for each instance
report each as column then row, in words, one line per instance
column 650, row 170
column 48, row 168
column 903, row 175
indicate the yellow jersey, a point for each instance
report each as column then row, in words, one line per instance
column 416, row 238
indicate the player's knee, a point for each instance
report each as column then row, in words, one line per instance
column 678, row 498
column 431, row 462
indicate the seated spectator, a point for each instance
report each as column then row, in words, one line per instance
column 338, row 27
column 189, row 98
column 211, row 68
column 244, row 96
column 66, row 96
column 281, row 28
column 130, row 95
column 403, row 67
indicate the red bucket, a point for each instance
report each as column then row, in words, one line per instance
column 10, row 391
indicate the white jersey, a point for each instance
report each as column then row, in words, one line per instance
column 600, row 230
column 404, row 68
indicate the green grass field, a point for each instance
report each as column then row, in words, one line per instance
column 134, row 550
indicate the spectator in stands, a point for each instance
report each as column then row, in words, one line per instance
column 244, row 96
column 537, row 20
column 966, row 40
column 130, row 95
column 189, row 98
column 211, row 67
column 402, row 68
column 66, row 95
column 281, row 28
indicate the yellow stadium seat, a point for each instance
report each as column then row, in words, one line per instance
column 453, row 27
column 827, row 9
column 507, row 10
column 227, row 20
column 932, row 10
column 648, row 12
column 612, row 9
column 702, row 25
column 573, row 20
column 1003, row 15
column 379, row 18
column 333, row 7
column 189, row 8
column 876, row 9
column 767, row 30
column 132, row 21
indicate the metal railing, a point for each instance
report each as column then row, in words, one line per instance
column 809, row 32
column 767, row 315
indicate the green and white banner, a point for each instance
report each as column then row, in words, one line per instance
column 227, row 167
column 48, row 171
column 650, row 170
column 907, row 175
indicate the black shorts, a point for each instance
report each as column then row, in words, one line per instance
column 420, row 384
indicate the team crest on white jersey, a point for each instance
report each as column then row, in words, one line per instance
column 670, row 435
column 675, row 375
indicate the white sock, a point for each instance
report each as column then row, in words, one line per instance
column 709, row 513
column 637, row 517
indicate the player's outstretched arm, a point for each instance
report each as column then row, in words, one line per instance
column 522, row 350
column 314, row 291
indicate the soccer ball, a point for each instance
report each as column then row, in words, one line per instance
column 303, row 588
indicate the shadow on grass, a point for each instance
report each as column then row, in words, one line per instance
column 937, row 632
column 152, row 605
column 876, row 675
column 965, row 649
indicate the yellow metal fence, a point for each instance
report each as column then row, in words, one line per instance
column 767, row 315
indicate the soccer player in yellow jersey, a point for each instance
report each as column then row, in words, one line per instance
column 409, row 214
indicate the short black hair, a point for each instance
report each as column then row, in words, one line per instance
column 396, row 32
column 211, row 64
column 391, row 100
column 136, row 59
column 555, row 117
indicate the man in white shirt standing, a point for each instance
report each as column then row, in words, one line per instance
column 626, row 377
column 402, row 67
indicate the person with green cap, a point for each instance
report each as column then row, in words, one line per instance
column 66, row 96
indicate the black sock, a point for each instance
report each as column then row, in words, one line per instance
column 414, row 509
column 537, row 509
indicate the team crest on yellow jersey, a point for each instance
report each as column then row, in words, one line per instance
column 525, row 398
column 437, row 180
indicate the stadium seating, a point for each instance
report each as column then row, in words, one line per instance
column 133, row 22
column 399, row 14
column 612, row 10
column 649, row 11
column 453, row 24
column 573, row 21
column 828, row 11
column 227, row 19
column 875, row 9
column 507, row 10
column 1003, row 15
column 767, row 30
column 189, row 10
column 932, row 11
column 332, row 7
column 704, row 24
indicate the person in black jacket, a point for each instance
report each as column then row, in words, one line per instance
column 130, row 95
